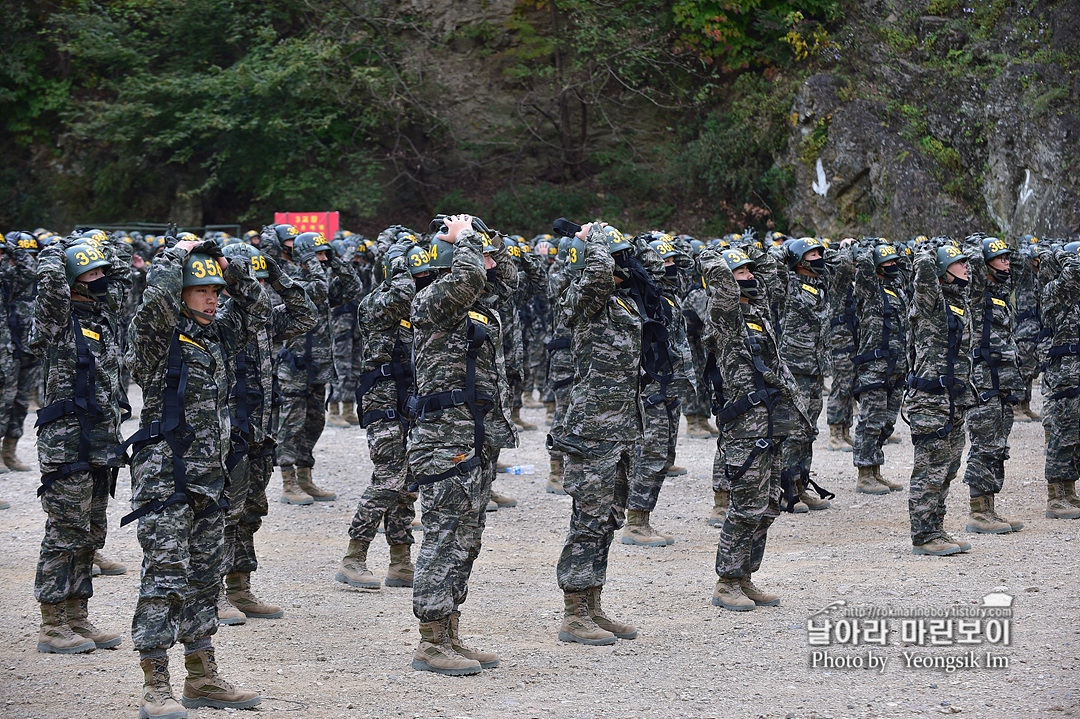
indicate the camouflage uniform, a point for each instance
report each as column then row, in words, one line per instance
column 696, row 401
column 842, row 345
column 881, row 359
column 1061, row 379
column 181, row 527
column 749, row 361
column 25, row 367
column 346, row 336
column 603, row 420
column 1029, row 333
column 17, row 275
column 938, row 395
column 448, row 316
column 77, row 475
column 535, row 317
column 560, row 363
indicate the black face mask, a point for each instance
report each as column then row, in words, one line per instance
column 890, row 271
column 491, row 273
column 324, row 263
column 957, row 282
column 1001, row 276
column 99, row 288
column 749, row 288
column 816, row 264
column 422, row 282
column 671, row 271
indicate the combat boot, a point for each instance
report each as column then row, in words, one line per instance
column 204, row 687
column 1014, row 524
column 694, row 428
column 107, row 566
column 487, row 660
column 981, row 519
column 531, row 402
column 290, row 489
column 756, row 595
column 868, row 484
column 837, row 441
column 522, row 424
column 348, row 413
column 435, row 654
column 226, row 612
column 936, row 547
column 1026, row 413
column 1070, row 493
column 503, row 501
column 4, row 504
column 303, row 477
column 963, row 544
column 79, row 621
column 157, row 699
column 334, row 418
column 893, row 486
column 578, row 626
column 401, row 570
column 813, row 502
column 622, row 630
column 728, row 594
column 674, row 470
column 719, row 510
column 353, row 568
column 669, row 538
column 637, row 531
column 555, row 475
column 1057, row 503
column 56, row 636
column 10, row 459
column 238, row 591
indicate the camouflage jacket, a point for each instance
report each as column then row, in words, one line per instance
column 499, row 428
column 20, row 315
column 804, row 313
column 872, row 295
column 1061, row 311
column 741, row 337
column 992, row 300
column 60, row 325
column 206, row 350
column 1028, row 294
column 385, row 326
column 605, row 398
column 17, row 275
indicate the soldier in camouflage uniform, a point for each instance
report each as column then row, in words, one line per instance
column 939, row 391
column 881, row 360
column 1029, row 333
column 180, row 345
column 697, row 402
column 560, row 370
column 25, row 369
column 536, row 318
column 460, row 416
column 530, row 281
column 253, row 421
column 76, row 332
column 603, row 422
column 762, row 408
column 995, row 374
column 384, row 386
column 1060, row 276
column 843, row 333
column 16, row 276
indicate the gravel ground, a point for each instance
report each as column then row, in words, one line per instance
column 344, row 653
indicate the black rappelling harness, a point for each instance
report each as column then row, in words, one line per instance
column 247, row 397
column 560, row 343
column 889, row 315
column 400, row 370
column 943, row 384
column 174, row 430
column 989, row 354
column 479, row 404
column 83, row 404
column 304, row 363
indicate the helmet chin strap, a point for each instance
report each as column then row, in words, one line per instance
column 195, row 314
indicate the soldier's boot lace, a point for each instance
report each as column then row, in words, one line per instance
column 353, row 568
column 1058, row 505
column 637, row 531
column 1015, row 524
column 226, row 612
column 290, row 488
column 157, row 699
column 56, row 637
column 757, row 595
column 578, row 626
column 487, row 660
column 79, row 620
column 435, row 654
column 868, row 483
column 204, row 687
column 622, row 630
column 728, row 594
column 981, row 519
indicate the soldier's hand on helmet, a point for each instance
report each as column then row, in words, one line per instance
column 455, row 225
column 847, row 242
column 584, row 231
column 398, row 249
column 304, row 253
column 188, row 245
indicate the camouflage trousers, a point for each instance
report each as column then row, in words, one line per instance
column 348, row 358
column 247, row 507
column 696, row 399
column 598, row 482
column 1028, row 350
column 9, row 386
column 453, row 512
column 878, row 410
column 1061, row 419
column 301, row 421
column 720, row 481
column 989, row 425
column 75, row 528
column 797, row 452
column 753, row 504
column 936, row 462
column 560, row 372
column 653, row 454
column 181, row 575
column 536, row 366
column 386, row 499
column 27, row 387
column 841, row 407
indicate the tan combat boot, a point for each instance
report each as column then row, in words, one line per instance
column 226, row 612
column 1058, row 505
column 522, row 424
column 893, row 486
column 555, row 475
column 719, row 510
column 637, row 531
column 157, row 698
column 837, row 441
column 963, row 544
column 694, row 428
column 669, row 538
column 204, row 687
column 756, row 595
column 436, row 655
column 1015, row 524
column 334, row 418
column 303, row 477
column 813, row 502
column 1070, row 493
column 10, row 459
column 578, row 626
column 729, row 594
column 675, row 470
column 353, row 568
column 622, row 630
column 1027, row 414
column 56, row 636
column 348, row 413
column 868, row 484
column 487, row 660
column 79, row 621
column 238, row 590
column 981, row 519
column 936, row 547
column 107, row 566
column 401, row 570
column 290, row 488
column 502, row 501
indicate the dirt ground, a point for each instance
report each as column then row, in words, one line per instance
column 342, row 653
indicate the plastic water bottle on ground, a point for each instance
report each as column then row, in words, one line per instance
column 521, row 469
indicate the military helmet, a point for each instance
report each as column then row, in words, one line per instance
column 947, row 255
column 797, row 248
column 564, row 246
column 546, row 248
column 418, row 260
column 576, row 254
column 187, row 236
column 405, row 235
column 80, row 259
column 315, row 241
column 697, row 246
column 440, row 254
column 489, row 244
column 1072, row 247
column 244, row 249
column 285, row 232
column 663, row 247
column 202, row 269
column 736, row 259
column 616, row 240
column 512, row 247
column 543, row 237
column 25, row 241
column 249, row 234
column 883, row 253
column 993, row 247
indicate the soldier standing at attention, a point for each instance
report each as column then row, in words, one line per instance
column 602, row 425
column 939, row 391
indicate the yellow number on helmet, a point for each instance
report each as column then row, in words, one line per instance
column 417, row 260
column 573, row 254
column 212, row 268
column 82, row 258
column 198, row 269
column 434, row 254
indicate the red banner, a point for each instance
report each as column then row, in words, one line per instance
column 324, row 222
